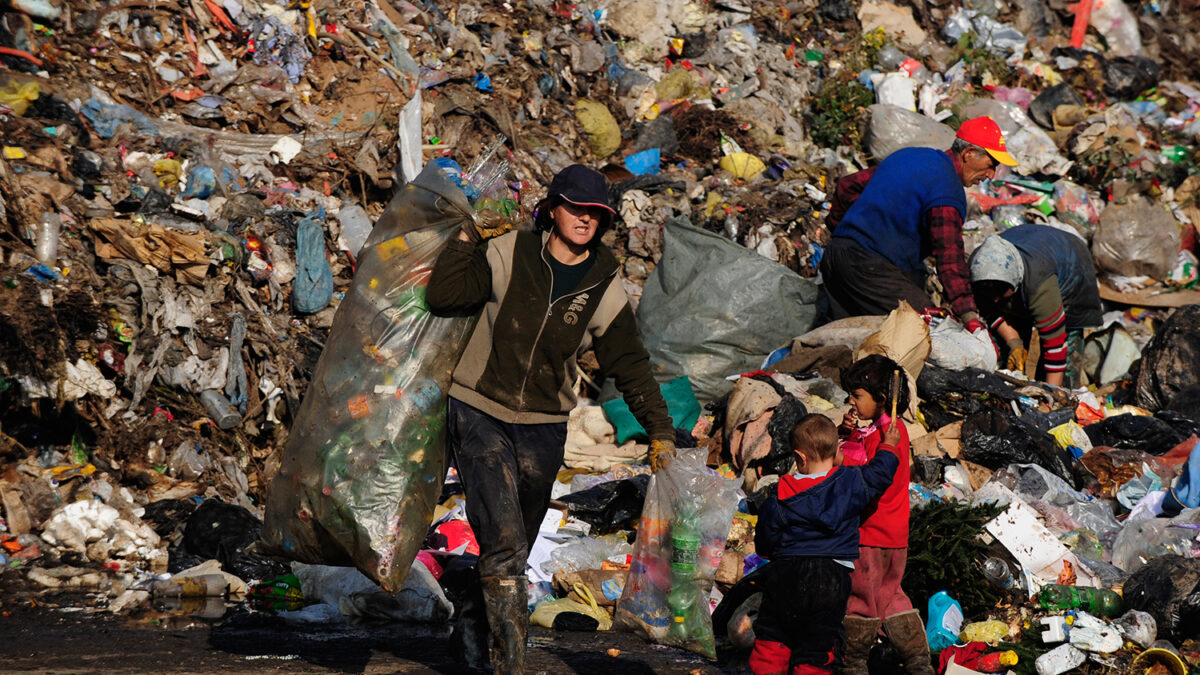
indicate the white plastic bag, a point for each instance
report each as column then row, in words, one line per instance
column 357, row 597
column 1118, row 25
column 956, row 348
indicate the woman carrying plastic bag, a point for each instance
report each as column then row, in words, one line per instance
column 545, row 297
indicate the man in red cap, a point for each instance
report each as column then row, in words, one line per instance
column 887, row 219
column 543, row 298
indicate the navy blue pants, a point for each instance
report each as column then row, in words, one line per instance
column 803, row 604
column 507, row 472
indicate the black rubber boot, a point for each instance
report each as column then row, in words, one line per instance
column 908, row 637
column 507, row 601
column 860, row 637
column 470, row 641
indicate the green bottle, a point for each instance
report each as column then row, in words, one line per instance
column 1097, row 601
column 684, row 597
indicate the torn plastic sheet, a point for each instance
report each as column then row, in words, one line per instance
column 83, row 378
column 411, row 161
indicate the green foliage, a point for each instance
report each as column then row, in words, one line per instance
column 837, row 111
column 943, row 555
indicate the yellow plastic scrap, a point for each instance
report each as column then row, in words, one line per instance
column 603, row 133
column 14, row 153
column 743, row 165
column 168, row 171
column 1071, row 434
column 17, row 95
column 711, row 203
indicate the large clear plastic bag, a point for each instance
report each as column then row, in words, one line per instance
column 1141, row 541
column 364, row 464
column 685, row 523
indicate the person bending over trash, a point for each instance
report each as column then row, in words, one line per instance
column 808, row 530
column 545, row 297
column 1034, row 276
column 887, row 219
column 875, row 591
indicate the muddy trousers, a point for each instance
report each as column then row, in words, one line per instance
column 507, row 471
column 799, row 625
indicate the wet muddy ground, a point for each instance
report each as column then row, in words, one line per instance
column 60, row 633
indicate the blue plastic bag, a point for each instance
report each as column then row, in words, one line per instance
column 313, row 287
column 644, row 163
column 1185, row 494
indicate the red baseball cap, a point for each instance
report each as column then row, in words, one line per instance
column 984, row 132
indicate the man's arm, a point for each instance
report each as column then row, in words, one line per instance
column 849, row 189
column 945, row 237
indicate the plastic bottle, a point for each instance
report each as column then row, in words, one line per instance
column 204, row 585
column 47, row 239
column 1098, row 601
column 890, row 58
column 998, row 573
column 996, row 662
column 945, row 621
column 356, row 227
column 220, row 409
column 684, row 596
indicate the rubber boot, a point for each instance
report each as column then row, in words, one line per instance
column 507, row 601
column 860, row 637
column 470, row 641
column 908, row 637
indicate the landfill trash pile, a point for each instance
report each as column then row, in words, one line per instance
column 187, row 191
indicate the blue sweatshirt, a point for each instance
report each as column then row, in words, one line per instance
column 822, row 519
column 889, row 218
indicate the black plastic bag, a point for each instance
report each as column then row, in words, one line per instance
column 608, row 507
column 1042, row 108
column 1135, row 432
column 1184, row 425
column 167, row 514
column 1186, row 403
column 836, row 10
column 997, row 438
column 948, row 396
column 1171, row 361
column 786, row 414
column 221, row 531
column 1168, row 588
column 1047, row 421
column 1127, row 76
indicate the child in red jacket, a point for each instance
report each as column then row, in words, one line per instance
column 875, row 592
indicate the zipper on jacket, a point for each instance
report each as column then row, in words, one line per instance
column 546, row 318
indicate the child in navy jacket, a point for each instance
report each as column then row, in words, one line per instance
column 809, row 531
